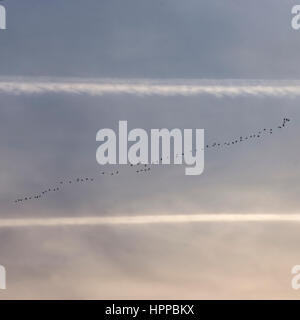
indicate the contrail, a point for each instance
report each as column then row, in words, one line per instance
column 154, row 219
column 143, row 87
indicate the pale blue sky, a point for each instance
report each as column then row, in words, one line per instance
column 156, row 39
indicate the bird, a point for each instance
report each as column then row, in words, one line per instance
column 146, row 167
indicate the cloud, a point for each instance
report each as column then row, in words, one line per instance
column 144, row 87
column 154, row 219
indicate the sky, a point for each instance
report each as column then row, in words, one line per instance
column 72, row 67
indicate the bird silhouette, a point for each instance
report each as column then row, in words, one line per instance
column 215, row 145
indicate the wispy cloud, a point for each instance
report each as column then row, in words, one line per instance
column 143, row 87
column 154, row 219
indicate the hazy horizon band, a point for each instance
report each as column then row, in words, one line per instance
column 148, row 87
column 149, row 219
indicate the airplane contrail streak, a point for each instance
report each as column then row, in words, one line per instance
column 143, row 87
column 154, row 219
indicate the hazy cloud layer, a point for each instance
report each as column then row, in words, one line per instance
column 183, row 87
column 50, row 137
column 72, row 67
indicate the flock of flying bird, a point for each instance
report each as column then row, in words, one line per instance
column 145, row 168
